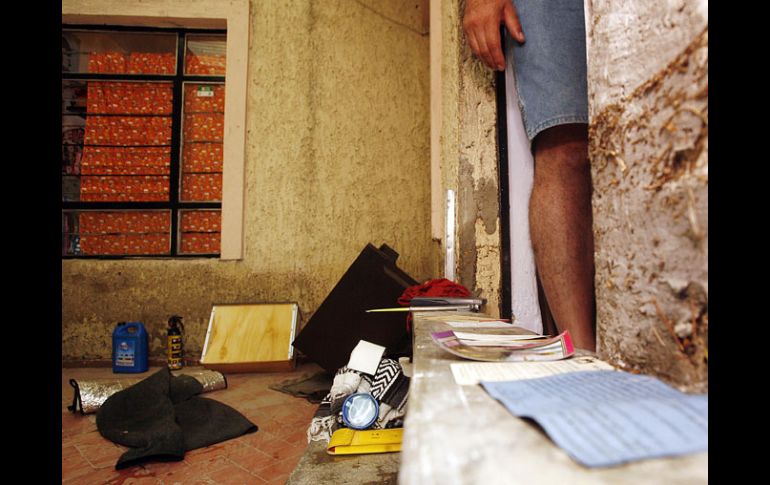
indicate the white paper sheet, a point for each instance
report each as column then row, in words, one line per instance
column 470, row 374
column 604, row 418
column 497, row 337
column 479, row 324
column 365, row 357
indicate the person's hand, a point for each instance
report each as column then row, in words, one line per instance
column 481, row 23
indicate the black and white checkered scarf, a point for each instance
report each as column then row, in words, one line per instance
column 389, row 386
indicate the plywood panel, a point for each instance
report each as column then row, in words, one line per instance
column 250, row 333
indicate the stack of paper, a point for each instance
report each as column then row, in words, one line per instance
column 471, row 373
column 504, row 347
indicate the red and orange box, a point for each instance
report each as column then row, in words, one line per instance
column 211, row 65
column 203, row 187
column 202, row 157
column 204, row 98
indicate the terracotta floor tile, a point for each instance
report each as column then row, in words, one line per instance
column 74, row 424
column 258, row 439
column 296, row 436
column 234, row 475
column 69, row 451
column 179, row 472
column 267, row 446
column 168, row 470
column 208, row 452
column 204, row 465
column 281, row 469
column 91, row 437
column 191, row 481
column 251, row 459
column 286, row 450
column 90, row 477
column 275, row 428
column 73, row 465
column 137, row 481
column 101, row 455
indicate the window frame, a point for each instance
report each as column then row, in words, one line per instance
column 175, row 205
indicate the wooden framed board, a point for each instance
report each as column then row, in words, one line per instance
column 251, row 337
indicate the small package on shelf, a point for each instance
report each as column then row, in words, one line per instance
column 137, row 222
column 200, row 243
column 126, row 160
column 146, row 243
column 201, row 221
column 129, row 98
column 206, row 64
column 95, row 98
column 128, row 130
column 151, row 63
column 204, row 98
column 107, row 62
column 204, row 127
column 202, row 187
column 124, row 188
column 202, row 157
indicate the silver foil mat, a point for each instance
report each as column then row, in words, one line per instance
column 211, row 380
column 90, row 394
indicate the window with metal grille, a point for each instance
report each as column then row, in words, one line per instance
column 142, row 141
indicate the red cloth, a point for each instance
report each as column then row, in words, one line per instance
column 437, row 287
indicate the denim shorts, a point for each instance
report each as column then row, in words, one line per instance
column 550, row 67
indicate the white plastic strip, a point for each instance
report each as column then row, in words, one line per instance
column 449, row 261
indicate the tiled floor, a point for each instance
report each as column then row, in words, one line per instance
column 265, row 457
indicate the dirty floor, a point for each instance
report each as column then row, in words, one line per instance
column 265, row 457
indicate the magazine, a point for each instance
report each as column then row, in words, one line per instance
column 504, row 348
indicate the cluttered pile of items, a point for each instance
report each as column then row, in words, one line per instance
column 359, row 336
column 362, row 411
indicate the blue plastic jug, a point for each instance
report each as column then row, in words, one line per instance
column 129, row 348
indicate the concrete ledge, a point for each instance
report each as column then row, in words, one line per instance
column 459, row 435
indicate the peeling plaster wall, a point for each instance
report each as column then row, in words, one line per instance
column 648, row 97
column 469, row 159
column 337, row 155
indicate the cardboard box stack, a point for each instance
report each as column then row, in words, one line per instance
column 129, row 98
column 107, row 62
column 203, row 133
column 111, row 166
column 132, row 63
column 128, row 130
column 140, row 188
column 126, row 161
column 131, row 232
column 200, row 231
column 127, row 158
column 152, row 63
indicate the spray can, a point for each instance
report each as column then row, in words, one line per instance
column 174, row 344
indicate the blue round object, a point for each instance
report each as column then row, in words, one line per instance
column 360, row 410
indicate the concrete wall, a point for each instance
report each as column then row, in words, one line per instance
column 468, row 158
column 337, row 155
column 648, row 96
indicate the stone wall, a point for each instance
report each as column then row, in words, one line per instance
column 648, row 99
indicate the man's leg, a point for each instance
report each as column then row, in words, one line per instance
column 561, row 228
